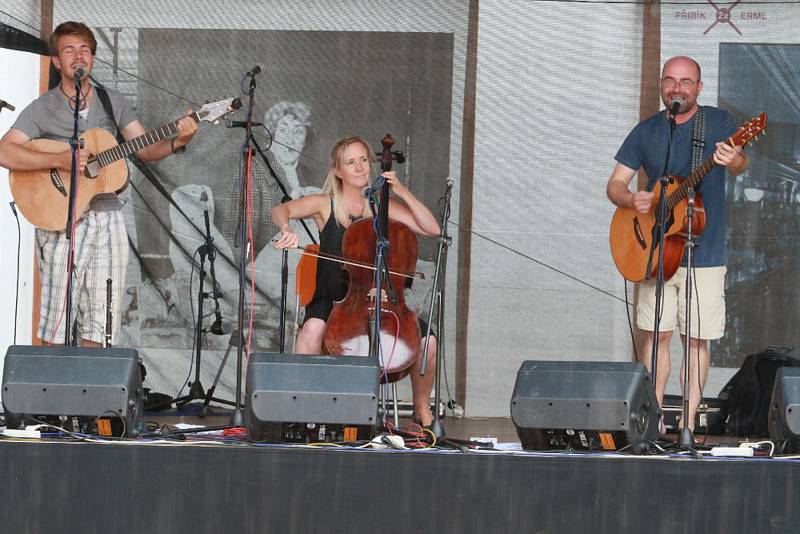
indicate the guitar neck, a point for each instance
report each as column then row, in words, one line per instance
column 693, row 180
column 127, row 148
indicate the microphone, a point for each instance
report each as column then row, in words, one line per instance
column 79, row 72
column 216, row 326
column 255, row 71
column 4, row 104
column 376, row 186
column 240, row 124
column 449, row 186
column 675, row 105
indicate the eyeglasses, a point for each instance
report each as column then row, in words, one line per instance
column 670, row 83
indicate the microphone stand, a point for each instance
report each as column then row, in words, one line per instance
column 658, row 241
column 237, row 417
column 284, row 285
column 109, row 316
column 381, row 218
column 686, row 440
column 437, row 298
column 210, row 394
column 75, row 144
column 284, row 260
column 196, row 390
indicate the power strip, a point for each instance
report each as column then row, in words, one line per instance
column 760, row 448
column 16, row 433
column 732, row 451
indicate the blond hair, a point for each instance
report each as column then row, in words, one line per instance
column 333, row 183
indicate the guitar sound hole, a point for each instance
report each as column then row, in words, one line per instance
column 57, row 183
column 637, row 231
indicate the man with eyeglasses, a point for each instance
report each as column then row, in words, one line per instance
column 646, row 148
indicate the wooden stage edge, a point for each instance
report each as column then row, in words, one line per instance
column 82, row 487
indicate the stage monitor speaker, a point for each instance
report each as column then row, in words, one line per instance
column 583, row 405
column 784, row 411
column 303, row 398
column 87, row 390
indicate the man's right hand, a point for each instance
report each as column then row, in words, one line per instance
column 642, row 200
column 65, row 160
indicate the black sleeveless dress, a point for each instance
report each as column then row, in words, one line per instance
column 331, row 285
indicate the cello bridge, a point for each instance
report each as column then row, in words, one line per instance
column 371, row 296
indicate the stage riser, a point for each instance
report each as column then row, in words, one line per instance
column 89, row 488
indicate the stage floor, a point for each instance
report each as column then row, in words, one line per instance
column 205, row 486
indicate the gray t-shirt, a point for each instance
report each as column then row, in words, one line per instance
column 51, row 117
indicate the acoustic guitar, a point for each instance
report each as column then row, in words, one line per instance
column 43, row 196
column 632, row 233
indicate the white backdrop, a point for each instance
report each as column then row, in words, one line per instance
column 19, row 85
column 552, row 107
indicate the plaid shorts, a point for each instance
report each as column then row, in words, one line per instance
column 101, row 253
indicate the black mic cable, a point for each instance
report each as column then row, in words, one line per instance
column 16, row 292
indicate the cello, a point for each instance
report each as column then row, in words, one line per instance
column 352, row 324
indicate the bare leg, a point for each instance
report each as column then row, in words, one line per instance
column 664, row 363
column 698, row 354
column 309, row 340
column 421, row 386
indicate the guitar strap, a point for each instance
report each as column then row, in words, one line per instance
column 698, row 137
column 103, row 96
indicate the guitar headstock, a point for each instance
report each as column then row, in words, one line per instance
column 750, row 130
column 213, row 111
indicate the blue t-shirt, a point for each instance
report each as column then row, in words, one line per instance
column 646, row 146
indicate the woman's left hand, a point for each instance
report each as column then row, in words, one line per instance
column 397, row 187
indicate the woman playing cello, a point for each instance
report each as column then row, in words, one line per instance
column 342, row 203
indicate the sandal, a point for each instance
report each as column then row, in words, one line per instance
column 416, row 421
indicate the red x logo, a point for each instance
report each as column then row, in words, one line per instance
column 724, row 16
